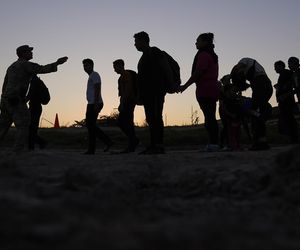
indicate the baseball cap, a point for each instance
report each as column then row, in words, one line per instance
column 24, row 48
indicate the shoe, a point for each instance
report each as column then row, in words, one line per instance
column 107, row 147
column 154, row 150
column 125, row 151
column 43, row 145
column 132, row 146
column 212, row 148
column 259, row 146
column 226, row 149
column 89, row 153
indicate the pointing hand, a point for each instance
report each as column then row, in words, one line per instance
column 61, row 60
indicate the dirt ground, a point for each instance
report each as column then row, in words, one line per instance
column 61, row 199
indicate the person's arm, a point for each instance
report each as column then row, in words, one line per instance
column 194, row 77
column 4, row 84
column 97, row 90
column 35, row 68
column 202, row 65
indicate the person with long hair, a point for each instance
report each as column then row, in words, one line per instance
column 205, row 72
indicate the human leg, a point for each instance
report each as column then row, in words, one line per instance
column 90, row 120
column 261, row 93
column 21, row 119
column 126, row 124
column 153, row 110
column 208, row 107
column 100, row 134
column 35, row 114
column 5, row 120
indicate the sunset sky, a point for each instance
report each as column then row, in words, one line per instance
column 267, row 30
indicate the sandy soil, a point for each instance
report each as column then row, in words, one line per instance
column 60, row 199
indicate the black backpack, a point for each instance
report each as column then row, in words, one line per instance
column 172, row 87
column 45, row 95
column 39, row 91
column 136, row 87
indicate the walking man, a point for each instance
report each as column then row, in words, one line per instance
column 153, row 73
column 128, row 98
column 94, row 106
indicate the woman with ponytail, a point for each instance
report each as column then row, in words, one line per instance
column 205, row 72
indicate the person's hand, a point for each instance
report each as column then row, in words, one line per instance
column 61, row 60
column 181, row 88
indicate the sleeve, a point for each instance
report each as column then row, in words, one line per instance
column 35, row 68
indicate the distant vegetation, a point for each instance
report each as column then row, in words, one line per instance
column 181, row 137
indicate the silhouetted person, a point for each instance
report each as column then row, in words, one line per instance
column 127, row 86
column 250, row 70
column 35, row 108
column 230, row 114
column 153, row 72
column 15, row 86
column 205, row 74
column 286, row 102
column 94, row 106
column 294, row 66
column 224, row 83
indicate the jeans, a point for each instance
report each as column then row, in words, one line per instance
column 261, row 93
column 93, row 130
column 208, row 107
column 35, row 114
column 153, row 106
column 126, row 122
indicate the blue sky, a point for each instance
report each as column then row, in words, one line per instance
column 267, row 30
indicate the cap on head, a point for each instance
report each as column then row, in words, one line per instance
column 23, row 49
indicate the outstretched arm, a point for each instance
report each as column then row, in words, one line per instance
column 35, row 68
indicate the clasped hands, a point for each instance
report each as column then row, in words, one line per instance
column 181, row 88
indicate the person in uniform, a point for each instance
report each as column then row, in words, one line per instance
column 13, row 104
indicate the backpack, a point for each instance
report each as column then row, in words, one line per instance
column 39, row 91
column 45, row 94
column 172, row 87
column 136, row 87
column 134, row 78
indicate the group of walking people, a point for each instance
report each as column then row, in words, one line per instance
column 148, row 87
